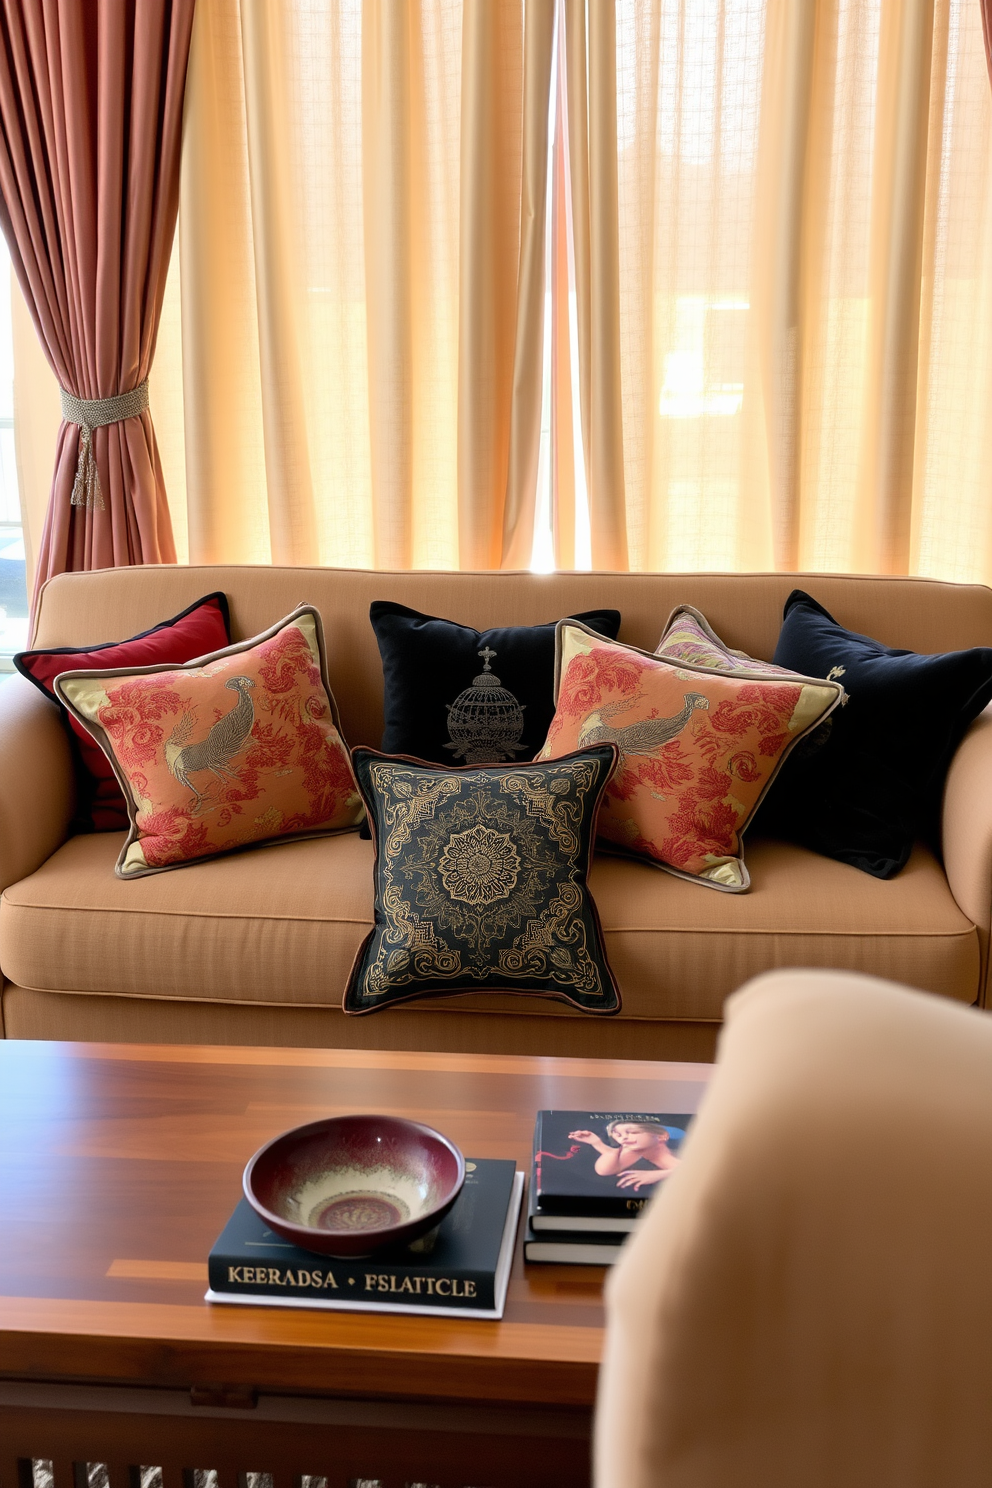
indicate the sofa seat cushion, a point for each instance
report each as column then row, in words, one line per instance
column 801, row 910
column 280, row 925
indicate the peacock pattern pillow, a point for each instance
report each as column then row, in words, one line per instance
column 480, row 881
column 698, row 748
column 231, row 750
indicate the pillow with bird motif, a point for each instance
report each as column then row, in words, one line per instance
column 699, row 748
column 234, row 749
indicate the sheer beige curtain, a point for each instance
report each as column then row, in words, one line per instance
column 362, row 241
column 769, row 323
column 803, row 198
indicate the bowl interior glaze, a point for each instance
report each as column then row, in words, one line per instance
column 368, row 1179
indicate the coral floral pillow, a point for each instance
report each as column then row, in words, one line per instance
column 238, row 748
column 698, row 748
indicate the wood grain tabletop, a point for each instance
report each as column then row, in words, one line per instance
column 120, row 1164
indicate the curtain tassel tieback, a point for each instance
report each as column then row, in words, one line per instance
column 90, row 414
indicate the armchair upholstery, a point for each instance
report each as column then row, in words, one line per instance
column 37, row 790
column 809, row 1299
column 966, row 833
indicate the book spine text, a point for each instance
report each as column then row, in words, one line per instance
column 348, row 1284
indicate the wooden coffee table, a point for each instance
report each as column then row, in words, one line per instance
column 119, row 1165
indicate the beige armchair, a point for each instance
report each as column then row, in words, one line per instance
column 808, row 1303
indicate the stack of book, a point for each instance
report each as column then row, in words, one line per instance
column 593, row 1172
column 464, row 1273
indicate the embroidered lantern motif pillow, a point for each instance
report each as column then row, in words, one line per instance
column 238, row 748
column 480, row 881
column 458, row 696
column 698, row 748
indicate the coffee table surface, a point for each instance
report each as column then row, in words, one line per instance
column 119, row 1165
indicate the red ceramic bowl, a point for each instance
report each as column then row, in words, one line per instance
column 351, row 1185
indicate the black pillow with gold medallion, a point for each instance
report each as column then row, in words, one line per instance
column 480, row 880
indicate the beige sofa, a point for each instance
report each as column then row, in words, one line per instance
column 255, row 948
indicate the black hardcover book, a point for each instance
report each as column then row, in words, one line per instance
column 570, row 1250
column 565, row 1245
column 465, row 1274
column 604, row 1163
column 587, row 1225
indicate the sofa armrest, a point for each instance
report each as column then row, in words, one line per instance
column 37, row 784
column 966, row 833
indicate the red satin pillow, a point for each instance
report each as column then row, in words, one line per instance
column 203, row 627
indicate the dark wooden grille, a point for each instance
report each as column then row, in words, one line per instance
column 79, row 1448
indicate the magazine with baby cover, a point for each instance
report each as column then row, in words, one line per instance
column 604, row 1162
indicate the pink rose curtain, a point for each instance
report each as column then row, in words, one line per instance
column 91, row 108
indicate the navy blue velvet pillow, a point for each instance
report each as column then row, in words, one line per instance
column 458, row 696
column 480, row 881
column 864, row 787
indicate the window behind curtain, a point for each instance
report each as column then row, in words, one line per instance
column 13, row 587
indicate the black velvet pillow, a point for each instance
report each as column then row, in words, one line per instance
column 867, row 784
column 480, row 881
column 459, row 696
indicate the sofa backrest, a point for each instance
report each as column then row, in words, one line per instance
column 744, row 609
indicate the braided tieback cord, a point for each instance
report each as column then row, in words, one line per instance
column 95, row 413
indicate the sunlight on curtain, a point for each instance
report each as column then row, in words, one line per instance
column 805, row 206
column 688, row 94
column 361, row 224
column 277, row 238
column 836, row 397
column 953, row 530
column 804, row 199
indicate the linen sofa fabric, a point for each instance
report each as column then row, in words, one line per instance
column 480, row 881
column 455, row 695
column 699, row 747
column 37, row 781
column 238, row 929
column 205, row 773
column 84, row 954
column 966, row 828
column 809, row 1299
column 745, row 609
column 202, row 627
column 878, row 778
